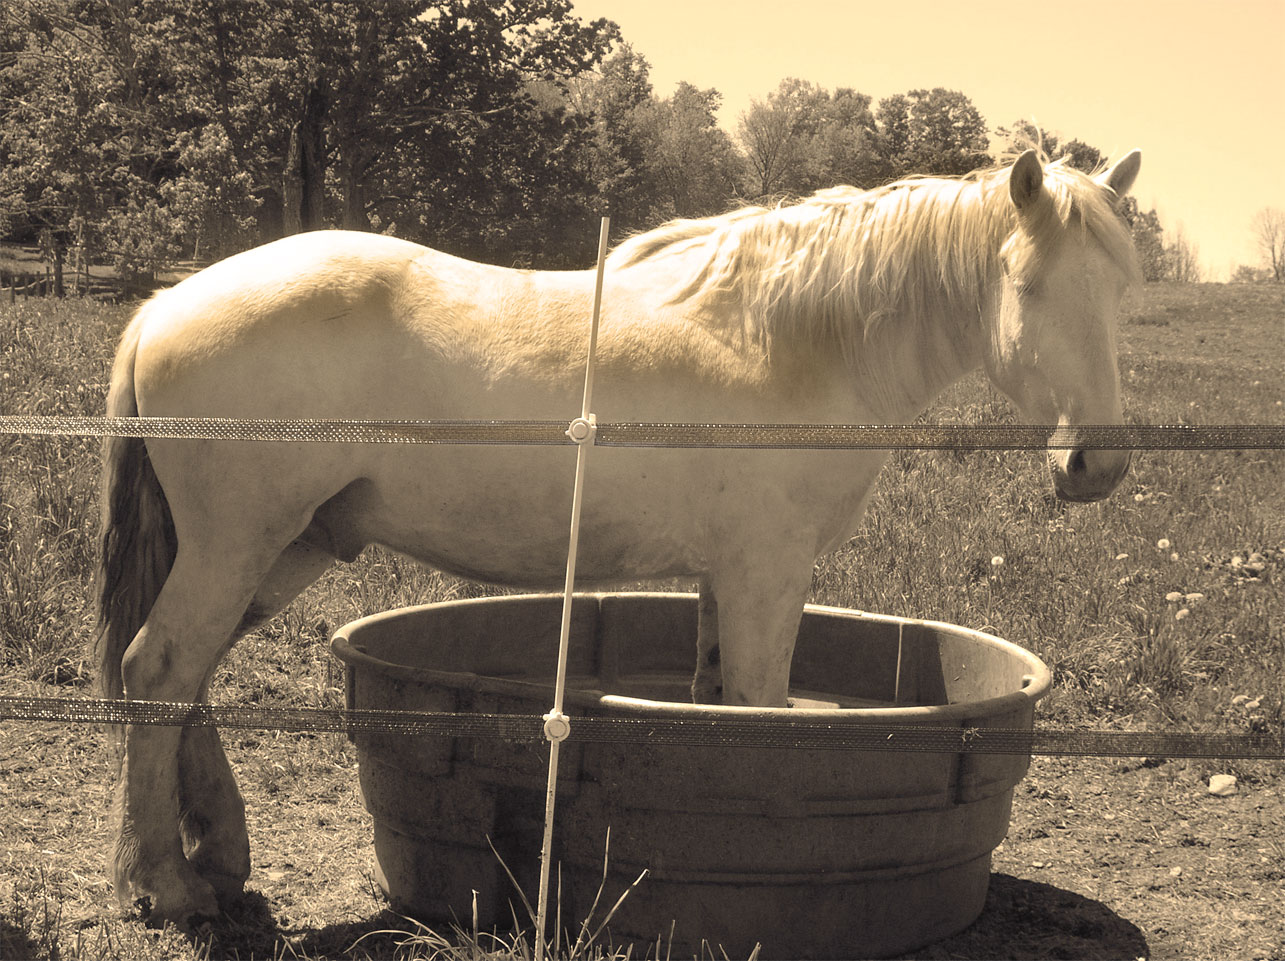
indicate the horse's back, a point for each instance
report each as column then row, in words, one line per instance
column 309, row 326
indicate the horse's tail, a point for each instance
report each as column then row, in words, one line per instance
column 138, row 540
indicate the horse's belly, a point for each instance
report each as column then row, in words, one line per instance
column 503, row 515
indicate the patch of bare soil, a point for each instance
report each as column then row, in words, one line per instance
column 1134, row 858
column 1104, row 858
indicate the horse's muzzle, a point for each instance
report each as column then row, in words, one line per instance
column 1086, row 474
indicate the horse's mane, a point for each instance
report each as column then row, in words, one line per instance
column 831, row 267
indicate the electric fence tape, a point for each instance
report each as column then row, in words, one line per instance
column 684, row 435
column 757, row 731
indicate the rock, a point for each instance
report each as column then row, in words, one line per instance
column 1222, row 785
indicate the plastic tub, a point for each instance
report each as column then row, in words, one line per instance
column 811, row 853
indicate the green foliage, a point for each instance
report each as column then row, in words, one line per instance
column 936, row 131
column 1023, row 134
column 186, row 118
column 803, row 137
column 142, row 133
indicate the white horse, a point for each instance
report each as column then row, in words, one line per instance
column 849, row 307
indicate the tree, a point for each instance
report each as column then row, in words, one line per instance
column 1148, row 239
column 775, row 135
column 1024, row 134
column 694, row 163
column 71, row 142
column 614, row 101
column 1183, row 258
column 651, row 158
column 803, row 137
column 222, row 122
column 936, row 131
column 1269, row 235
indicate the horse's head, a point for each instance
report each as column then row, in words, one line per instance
column 1052, row 342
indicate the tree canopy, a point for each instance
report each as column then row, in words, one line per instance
column 147, row 132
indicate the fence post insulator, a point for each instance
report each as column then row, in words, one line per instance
column 583, row 429
column 557, row 726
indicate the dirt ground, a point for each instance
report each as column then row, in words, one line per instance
column 1104, row 859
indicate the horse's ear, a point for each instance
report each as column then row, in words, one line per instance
column 1122, row 175
column 1025, row 180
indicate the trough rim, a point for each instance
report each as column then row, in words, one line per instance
column 1036, row 681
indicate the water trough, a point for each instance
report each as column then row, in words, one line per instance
column 812, row 853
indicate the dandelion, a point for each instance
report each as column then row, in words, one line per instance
column 1194, row 598
column 1139, row 497
column 1174, row 596
column 1173, row 556
column 997, row 561
column 1122, row 557
column 1183, row 613
column 1163, row 544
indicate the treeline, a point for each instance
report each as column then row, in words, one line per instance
column 144, row 133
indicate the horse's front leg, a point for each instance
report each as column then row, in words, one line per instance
column 707, row 685
column 757, row 603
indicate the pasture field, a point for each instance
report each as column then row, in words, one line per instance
column 1159, row 609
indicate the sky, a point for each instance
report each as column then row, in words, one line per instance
column 1197, row 85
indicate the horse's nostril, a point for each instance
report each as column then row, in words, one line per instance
column 1075, row 464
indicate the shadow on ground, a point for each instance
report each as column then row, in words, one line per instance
column 1027, row 919
column 1022, row 919
column 16, row 942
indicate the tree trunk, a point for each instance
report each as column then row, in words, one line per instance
column 305, row 177
column 59, row 291
column 354, row 199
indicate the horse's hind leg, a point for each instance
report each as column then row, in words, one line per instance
column 212, row 814
column 212, row 584
column 187, row 630
column 211, row 810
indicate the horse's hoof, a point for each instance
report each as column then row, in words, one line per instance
column 191, row 914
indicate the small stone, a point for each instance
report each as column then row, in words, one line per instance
column 1194, row 598
column 1240, row 699
column 1174, row 596
column 1175, row 872
column 1222, row 785
column 1183, row 613
column 1122, row 557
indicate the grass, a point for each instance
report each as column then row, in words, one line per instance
column 1086, row 587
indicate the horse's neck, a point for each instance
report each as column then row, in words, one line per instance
column 905, row 363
